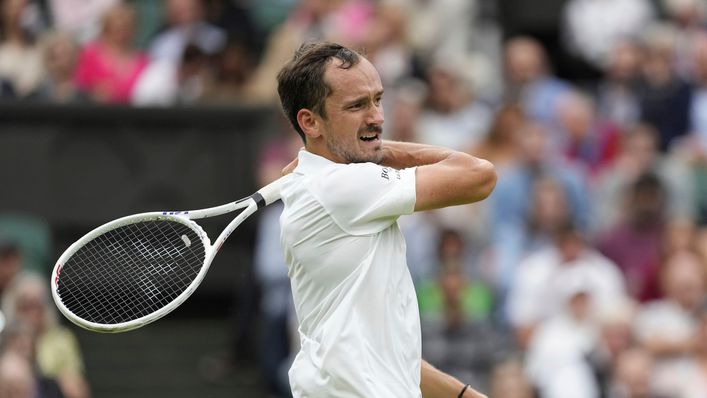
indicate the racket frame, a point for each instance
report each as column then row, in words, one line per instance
column 250, row 204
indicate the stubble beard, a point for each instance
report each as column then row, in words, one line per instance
column 349, row 155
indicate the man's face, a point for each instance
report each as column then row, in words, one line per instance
column 354, row 115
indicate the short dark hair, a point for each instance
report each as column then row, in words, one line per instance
column 300, row 83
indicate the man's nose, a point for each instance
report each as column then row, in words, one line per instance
column 375, row 115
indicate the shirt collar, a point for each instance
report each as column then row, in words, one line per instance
column 308, row 162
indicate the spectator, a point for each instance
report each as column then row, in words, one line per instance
column 186, row 24
column 695, row 385
column 632, row 377
column 307, row 20
column 615, row 329
column 164, row 83
column 634, row 241
column 57, row 351
column 501, row 145
column 594, row 40
column 20, row 58
column 529, row 80
column 455, row 312
column 16, row 378
column 556, row 356
column 687, row 17
column 109, row 67
column 475, row 299
column 234, row 67
column 452, row 117
column 82, row 18
column 18, row 342
column 60, row 54
column 509, row 207
column 665, row 96
column 668, row 327
column 276, row 307
column 696, row 150
column 439, row 29
column 583, row 137
column 537, row 290
column 639, row 155
column 617, row 90
column 385, row 44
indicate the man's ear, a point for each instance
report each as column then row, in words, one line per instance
column 309, row 123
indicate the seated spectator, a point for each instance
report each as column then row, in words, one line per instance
column 668, row 328
column 695, row 385
column 617, row 90
column 619, row 18
column 633, row 375
column 455, row 312
column 634, row 242
column 638, row 155
column 386, row 48
column 582, row 136
column 615, row 329
column 529, row 80
column 57, row 351
column 21, row 67
column 164, row 83
column 82, row 18
column 233, row 68
column 109, row 67
column 452, row 116
column 475, row 297
column 536, row 293
column 60, row 55
column 18, row 341
column 501, row 145
column 509, row 205
column 665, row 97
column 186, row 24
column 16, row 377
column 556, row 360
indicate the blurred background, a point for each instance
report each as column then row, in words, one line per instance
column 583, row 275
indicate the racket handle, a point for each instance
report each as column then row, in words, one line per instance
column 271, row 192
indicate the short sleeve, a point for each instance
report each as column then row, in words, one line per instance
column 366, row 198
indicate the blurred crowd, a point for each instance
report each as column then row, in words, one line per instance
column 583, row 275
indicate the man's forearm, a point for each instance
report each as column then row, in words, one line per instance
column 400, row 155
column 437, row 384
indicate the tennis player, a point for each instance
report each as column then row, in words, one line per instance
column 354, row 297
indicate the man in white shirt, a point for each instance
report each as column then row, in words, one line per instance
column 353, row 294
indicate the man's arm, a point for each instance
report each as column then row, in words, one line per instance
column 436, row 384
column 444, row 177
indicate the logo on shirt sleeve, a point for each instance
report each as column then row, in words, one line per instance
column 387, row 171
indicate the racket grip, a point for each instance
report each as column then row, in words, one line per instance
column 271, row 192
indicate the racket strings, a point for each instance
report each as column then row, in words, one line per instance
column 131, row 271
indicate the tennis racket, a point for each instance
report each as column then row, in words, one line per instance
column 136, row 269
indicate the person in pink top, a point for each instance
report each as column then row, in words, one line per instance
column 109, row 67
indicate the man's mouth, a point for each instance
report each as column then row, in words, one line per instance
column 370, row 134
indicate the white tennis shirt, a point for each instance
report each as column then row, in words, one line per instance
column 355, row 300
